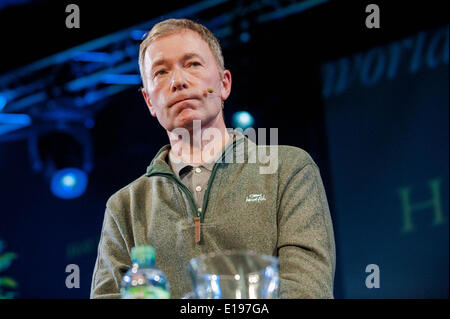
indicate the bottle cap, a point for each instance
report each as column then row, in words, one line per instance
column 143, row 255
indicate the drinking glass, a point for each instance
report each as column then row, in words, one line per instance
column 241, row 274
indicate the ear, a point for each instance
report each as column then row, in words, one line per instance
column 226, row 85
column 148, row 102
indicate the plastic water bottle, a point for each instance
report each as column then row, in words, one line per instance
column 143, row 280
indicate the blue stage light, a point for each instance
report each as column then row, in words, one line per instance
column 242, row 119
column 69, row 180
column 69, row 183
column 245, row 37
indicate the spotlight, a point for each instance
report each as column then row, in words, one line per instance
column 242, row 119
column 69, row 183
column 64, row 156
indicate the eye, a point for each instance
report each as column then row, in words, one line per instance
column 160, row 72
column 194, row 63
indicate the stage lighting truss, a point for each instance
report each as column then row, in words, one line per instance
column 65, row 91
column 96, row 70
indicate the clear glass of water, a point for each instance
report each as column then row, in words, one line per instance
column 239, row 274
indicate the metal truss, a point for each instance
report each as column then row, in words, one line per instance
column 67, row 89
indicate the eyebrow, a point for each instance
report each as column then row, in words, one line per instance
column 185, row 57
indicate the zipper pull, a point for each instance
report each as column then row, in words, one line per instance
column 197, row 229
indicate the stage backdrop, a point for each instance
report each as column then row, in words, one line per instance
column 387, row 128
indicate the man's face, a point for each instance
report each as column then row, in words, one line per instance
column 179, row 69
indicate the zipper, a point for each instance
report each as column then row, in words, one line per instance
column 182, row 186
column 199, row 216
column 208, row 187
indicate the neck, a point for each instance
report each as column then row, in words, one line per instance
column 198, row 144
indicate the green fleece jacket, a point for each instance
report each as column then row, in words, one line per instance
column 284, row 214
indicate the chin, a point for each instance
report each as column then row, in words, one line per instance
column 187, row 116
column 187, row 123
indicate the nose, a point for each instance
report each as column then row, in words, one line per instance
column 178, row 81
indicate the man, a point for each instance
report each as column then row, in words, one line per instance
column 192, row 201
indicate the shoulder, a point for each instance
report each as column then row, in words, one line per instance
column 122, row 198
column 296, row 155
column 293, row 160
column 288, row 159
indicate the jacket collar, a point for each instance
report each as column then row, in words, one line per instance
column 159, row 164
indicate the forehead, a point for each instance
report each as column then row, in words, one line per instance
column 175, row 46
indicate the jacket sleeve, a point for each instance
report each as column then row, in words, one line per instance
column 113, row 260
column 306, row 247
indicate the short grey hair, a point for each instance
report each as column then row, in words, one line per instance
column 171, row 26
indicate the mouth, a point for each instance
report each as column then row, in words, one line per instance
column 181, row 105
column 173, row 103
column 183, row 100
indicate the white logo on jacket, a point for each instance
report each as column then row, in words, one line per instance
column 255, row 198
